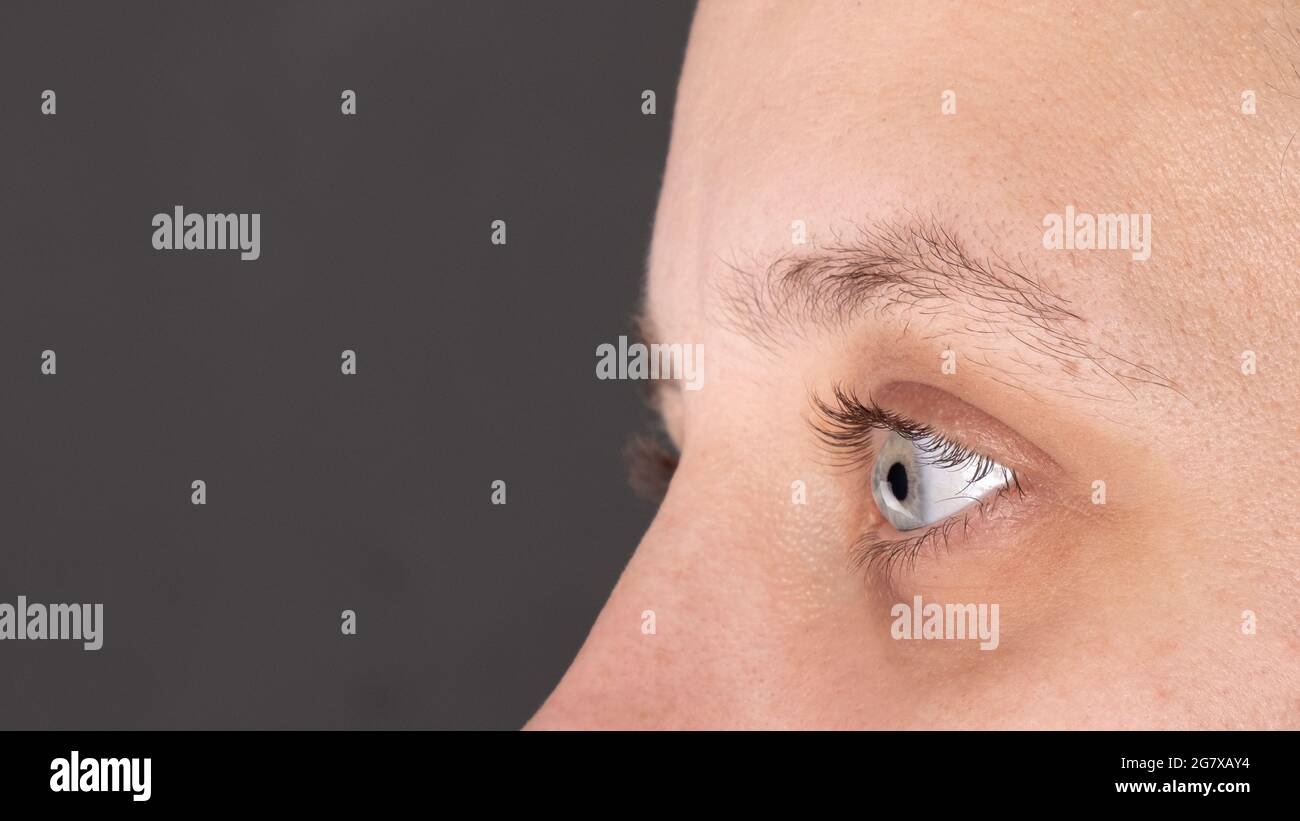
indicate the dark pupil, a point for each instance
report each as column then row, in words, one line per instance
column 897, row 477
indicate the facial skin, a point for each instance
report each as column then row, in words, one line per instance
column 1122, row 615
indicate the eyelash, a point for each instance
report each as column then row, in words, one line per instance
column 650, row 466
column 846, row 426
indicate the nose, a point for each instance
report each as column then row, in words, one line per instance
column 732, row 613
column 673, row 644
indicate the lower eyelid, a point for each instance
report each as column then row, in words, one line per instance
column 886, row 555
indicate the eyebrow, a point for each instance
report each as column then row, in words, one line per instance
column 918, row 269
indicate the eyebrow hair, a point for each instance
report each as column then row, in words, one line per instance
column 920, row 268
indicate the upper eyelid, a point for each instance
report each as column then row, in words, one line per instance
column 847, row 426
column 904, row 403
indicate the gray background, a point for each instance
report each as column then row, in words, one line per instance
column 325, row 492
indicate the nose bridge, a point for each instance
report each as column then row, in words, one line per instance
column 677, row 640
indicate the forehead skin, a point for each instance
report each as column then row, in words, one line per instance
column 831, row 111
column 1122, row 616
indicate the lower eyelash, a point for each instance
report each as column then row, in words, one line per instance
column 885, row 559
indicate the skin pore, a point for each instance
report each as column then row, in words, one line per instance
column 925, row 234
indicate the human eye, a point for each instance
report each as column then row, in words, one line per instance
column 922, row 483
column 919, row 480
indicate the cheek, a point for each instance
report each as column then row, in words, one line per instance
column 765, row 536
column 755, row 595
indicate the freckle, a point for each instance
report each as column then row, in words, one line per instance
column 1071, row 367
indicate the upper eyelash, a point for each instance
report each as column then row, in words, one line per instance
column 650, row 466
column 846, row 426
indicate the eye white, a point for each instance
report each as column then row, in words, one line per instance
column 912, row 492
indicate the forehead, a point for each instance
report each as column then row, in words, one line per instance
column 991, row 119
